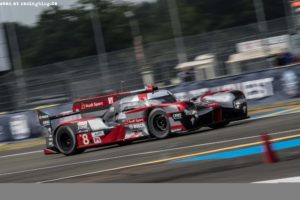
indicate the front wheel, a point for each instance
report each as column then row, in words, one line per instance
column 158, row 124
column 218, row 125
column 65, row 140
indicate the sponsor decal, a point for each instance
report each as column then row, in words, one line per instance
column 83, row 126
column 137, row 126
column 134, row 135
column 97, row 140
column 133, row 121
column 110, row 100
column 98, row 133
column 41, row 117
column 177, row 116
column 19, row 127
column 46, row 123
column 92, row 105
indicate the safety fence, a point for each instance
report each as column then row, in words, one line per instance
column 61, row 82
column 261, row 87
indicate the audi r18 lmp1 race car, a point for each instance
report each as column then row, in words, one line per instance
column 124, row 117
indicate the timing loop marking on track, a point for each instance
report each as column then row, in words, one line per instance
column 172, row 158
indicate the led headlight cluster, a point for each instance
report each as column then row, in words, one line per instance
column 237, row 103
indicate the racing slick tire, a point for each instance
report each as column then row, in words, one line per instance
column 218, row 125
column 245, row 110
column 158, row 124
column 65, row 140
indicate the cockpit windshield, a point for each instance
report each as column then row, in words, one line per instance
column 131, row 105
column 162, row 96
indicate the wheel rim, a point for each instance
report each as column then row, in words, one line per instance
column 65, row 141
column 160, row 123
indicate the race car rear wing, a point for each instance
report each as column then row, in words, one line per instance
column 50, row 122
column 103, row 102
column 85, row 107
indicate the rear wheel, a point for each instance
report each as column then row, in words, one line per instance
column 158, row 124
column 218, row 125
column 65, row 140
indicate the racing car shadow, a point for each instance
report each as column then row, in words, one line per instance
column 207, row 129
column 172, row 136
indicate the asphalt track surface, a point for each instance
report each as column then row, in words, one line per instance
column 154, row 161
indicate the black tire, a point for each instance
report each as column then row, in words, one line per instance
column 126, row 142
column 65, row 141
column 218, row 125
column 245, row 110
column 158, row 124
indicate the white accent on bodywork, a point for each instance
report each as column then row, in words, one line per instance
column 97, row 124
column 220, row 97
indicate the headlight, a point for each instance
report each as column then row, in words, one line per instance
column 237, row 103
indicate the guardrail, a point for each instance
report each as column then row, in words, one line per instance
column 260, row 87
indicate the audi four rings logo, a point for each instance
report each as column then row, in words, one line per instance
column 177, row 115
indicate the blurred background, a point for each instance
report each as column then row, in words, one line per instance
column 68, row 49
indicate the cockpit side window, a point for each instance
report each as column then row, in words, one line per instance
column 112, row 112
column 132, row 105
column 163, row 96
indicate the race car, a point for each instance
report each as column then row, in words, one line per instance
column 124, row 117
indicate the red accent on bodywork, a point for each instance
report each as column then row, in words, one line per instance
column 104, row 96
column 134, row 121
column 49, row 152
column 117, row 134
column 178, row 127
column 98, row 102
column 105, row 100
column 212, row 93
column 180, row 105
column 214, row 105
column 143, row 97
column 218, row 115
column 169, row 115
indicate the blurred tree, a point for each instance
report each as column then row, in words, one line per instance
column 62, row 34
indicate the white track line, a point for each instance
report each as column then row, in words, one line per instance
column 20, row 154
column 250, row 119
column 282, row 180
column 150, row 162
column 144, row 153
column 276, row 114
